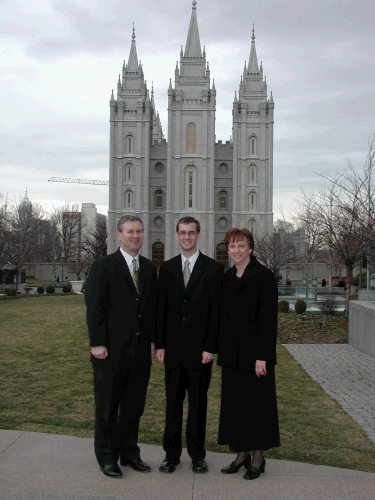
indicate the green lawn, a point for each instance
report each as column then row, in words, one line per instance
column 46, row 386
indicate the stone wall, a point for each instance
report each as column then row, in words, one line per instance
column 362, row 326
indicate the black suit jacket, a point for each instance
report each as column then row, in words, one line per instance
column 117, row 316
column 248, row 317
column 187, row 319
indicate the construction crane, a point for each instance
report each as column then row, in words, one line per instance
column 78, row 181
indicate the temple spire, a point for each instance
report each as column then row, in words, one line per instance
column 193, row 44
column 133, row 58
column 253, row 60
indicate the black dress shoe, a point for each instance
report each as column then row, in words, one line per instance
column 199, row 465
column 137, row 464
column 233, row 467
column 253, row 472
column 169, row 464
column 111, row 470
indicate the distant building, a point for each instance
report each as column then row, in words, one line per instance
column 221, row 184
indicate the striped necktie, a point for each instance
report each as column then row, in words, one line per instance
column 135, row 274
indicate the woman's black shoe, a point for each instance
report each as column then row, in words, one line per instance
column 253, row 472
column 233, row 467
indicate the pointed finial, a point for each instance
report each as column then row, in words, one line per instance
column 112, row 96
column 208, row 66
column 271, row 98
column 170, row 84
column 152, row 88
column 133, row 35
column 213, row 84
column 204, row 51
column 235, row 96
column 253, row 35
column 194, row 3
column 181, row 52
column 119, row 80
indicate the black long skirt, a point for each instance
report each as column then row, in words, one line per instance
column 248, row 414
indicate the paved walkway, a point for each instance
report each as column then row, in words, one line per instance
column 346, row 374
column 35, row 466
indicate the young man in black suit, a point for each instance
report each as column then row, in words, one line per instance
column 121, row 295
column 186, row 335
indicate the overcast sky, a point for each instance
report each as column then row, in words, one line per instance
column 60, row 59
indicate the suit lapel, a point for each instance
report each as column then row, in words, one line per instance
column 197, row 271
column 142, row 274
column 177, row 272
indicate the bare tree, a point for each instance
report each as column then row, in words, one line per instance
column 332, row 212
column 94, row 242
column 25, row 223
column 275, row 252
column 67, row 223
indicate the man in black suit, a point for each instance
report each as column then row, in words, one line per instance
column 186, row 335
column 121, row 295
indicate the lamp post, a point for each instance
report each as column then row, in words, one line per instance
column 62, row 264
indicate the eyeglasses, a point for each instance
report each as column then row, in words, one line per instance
column 184, row 233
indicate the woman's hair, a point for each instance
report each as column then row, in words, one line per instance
column 236, row 234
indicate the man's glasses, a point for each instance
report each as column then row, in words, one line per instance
column 184, row 233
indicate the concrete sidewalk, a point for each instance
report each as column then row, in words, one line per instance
column 35, row 466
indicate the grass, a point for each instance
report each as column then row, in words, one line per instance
column 46, row 386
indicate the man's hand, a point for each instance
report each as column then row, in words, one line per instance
column 159, row 355
column 99, row 352
column 207, row 357
column 260, row 368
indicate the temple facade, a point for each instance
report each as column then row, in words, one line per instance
column 222, row 184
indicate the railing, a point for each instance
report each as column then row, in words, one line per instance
column 298, row 291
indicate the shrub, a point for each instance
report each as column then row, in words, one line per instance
column 328, row 305
column 283, row 306
column 11, row 292
column 50, row 289
column 355, row 280
column 67, row 288
column 40, row 289
column 300, row 306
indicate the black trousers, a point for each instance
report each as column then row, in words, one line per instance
column 120, row 397
column 196, row 382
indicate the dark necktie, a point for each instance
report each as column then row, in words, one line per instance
column 135, row 274
column 186, row 272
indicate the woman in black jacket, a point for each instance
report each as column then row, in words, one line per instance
column 247, row 355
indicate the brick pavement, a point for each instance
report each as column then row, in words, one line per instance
column 346, row 374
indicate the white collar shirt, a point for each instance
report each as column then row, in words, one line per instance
column 192, row 260
column 129, row 259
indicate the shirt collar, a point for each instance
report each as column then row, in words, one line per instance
column 129, row 258
column 192, row 260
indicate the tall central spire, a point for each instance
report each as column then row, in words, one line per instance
column 193, row 43
column 133, row 59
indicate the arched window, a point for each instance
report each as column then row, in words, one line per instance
column 127, row 173
column 252, row 145
column 159, row 167
column 223, row 200
column 252, row 226
column 222, row 254
column 223, row 169
column 127, row 200
column 158, row 198
column 129, row 144
column 252, row 174
column 191, row 138
column 190, row 187
column 252, row 200
column 158, row 253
